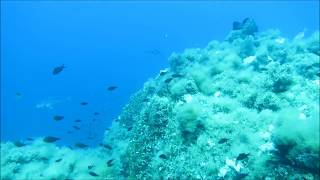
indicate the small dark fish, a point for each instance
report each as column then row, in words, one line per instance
column 77, row 120
column 145, row 100
column 163, row 156
column 318, row 74
column 222, row 140
column 129, row 128
column 80, row 145
column 18, row 95
column 30, row 139
column 168, row 80
column 111, row 88
column 19, row 144
column 44, row 159
column 76, row 127
column 58, row 69
column 242, row 156
column 107, row 146
column 58, row 160
column 96, row 113
column 110, row 162
column 177, row 75
column 50, row 139
column 163, row 73
column 93, row 173
column 90, row 166
column 263, row 69
column 84, row 103
column 58, row 117
column 69, row 132
column 107, row 129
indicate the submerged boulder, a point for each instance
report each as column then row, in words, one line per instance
column 232, row 125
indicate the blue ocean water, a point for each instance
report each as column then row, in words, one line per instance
column 108, row 43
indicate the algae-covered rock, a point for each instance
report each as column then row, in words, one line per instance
column 232, row 124
column 43, row 161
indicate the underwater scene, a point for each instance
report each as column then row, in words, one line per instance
column 217, row 90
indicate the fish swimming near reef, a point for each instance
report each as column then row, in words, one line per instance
column 44, row 159
column 58, row 117
column 19, row 144
column 96, row 113
column 223, row 140
column 177, row 75
column 45, row 105
column 163, row 72
column 50, row 102
column 110, row 162
column 163, row 156
column 80, row 145
column 58, row 160
column 76, row 127
column 242, row 156
column 106, row 146
column 112, row 88
column 18, row 95
column 93, row 173
column 77, row 120
column 168, row 80
column 50, row 139
column 58, row 69
column 84, row 103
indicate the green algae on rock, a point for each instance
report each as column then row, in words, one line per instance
column 240, row 89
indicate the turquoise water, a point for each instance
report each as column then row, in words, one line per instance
column 160, row 90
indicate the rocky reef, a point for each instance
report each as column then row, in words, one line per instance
column 244, row 108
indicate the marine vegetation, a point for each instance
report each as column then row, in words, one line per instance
column 243, row 108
